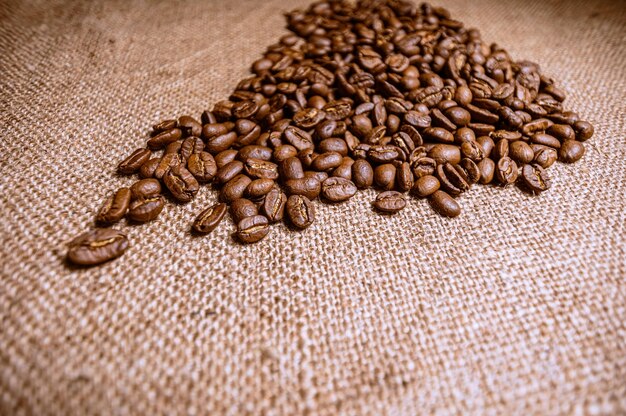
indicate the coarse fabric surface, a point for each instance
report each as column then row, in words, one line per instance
column 516, row 307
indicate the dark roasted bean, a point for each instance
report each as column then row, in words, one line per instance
column 535, row 179
column 228, row 172
column 133, row 162
column 390, row 202
column 202, row 166
column 571, row 151
column 114, row 207
column 97, row 246
column 385, row 176
column 189, row 126
column 583, row 129
column 242, row 208
column 167, row 162
column 209, row 219
column 252, row 229
column 444, row 204
column 164, row 138
column 338, row 189
column 225, row 157
column 145, row 188
column 147, row 169
column 234, row 188
column 425, row 186
column 487, row 169
column 506, row 171
column 274, row 205
column 300, row 211
column 362, row 173
column 181, row 183
column 145, row 209
column 521, row 152
column 309, row 187
column 258, row 188
column 261, row 169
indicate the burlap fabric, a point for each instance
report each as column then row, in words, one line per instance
column 516, row 307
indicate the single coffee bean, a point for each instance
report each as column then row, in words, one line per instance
column 444, row 204
column 583, row 129
column 425, row 186
column 274, row 205
column 145, row 188
column 133, row 162
column 167, row 162
column 114, row 207
column 228, row 172
column 487, row 144
column 309, row 187
column 202, row 166
column 385, row 176
column 258, row 188
column 344, row 170
column 463, row 135
column 545, row 140
column 210, row 130
column 390, row 202
column 338, row 189
column 442, row 153
column 506, row 171
column 252, row 229
column 438, row 134
column 320, row 176
column 164, row 138
column 404, row 177
column 544, row 156
column 189, row 126
column 284, row 152
column 326, row 161
column 298, row 138
column 571, row 151
column 536, row 126
column 147, row 169
column 521, row 152
column 453, row 180
column 145, row 209
column 472, row 150
column 235, row 188
column 181, row 183
column 242, row 208
column 291, row 168
column 97, row 246
column 209, row 219
column 487, row 169
column 535, row 179
column 190, row 146
column 164, row 126
column 225, row 157
column 383, row 153
column 254, row 152
column 458, row 115
column 261, row 169
column 218, row 144
column 470, row 170
column 362, row 173
column 562, row 132
column 300, row 211
column 173, row 147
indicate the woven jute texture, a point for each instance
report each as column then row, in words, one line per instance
column 516, row 307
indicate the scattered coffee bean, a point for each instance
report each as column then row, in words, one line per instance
column 209, row 219
column 390, row 202
column 97, row 246
column 338, row 189
column 252, row 229
column 145, row 209
column 133, row 162
column 535, row 178
column 114, row 207
column 300, row 211
column 444, row 204
column 571, row 151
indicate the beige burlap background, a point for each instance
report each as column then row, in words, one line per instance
column 516, row 307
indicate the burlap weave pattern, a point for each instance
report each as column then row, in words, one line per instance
column 516, row 307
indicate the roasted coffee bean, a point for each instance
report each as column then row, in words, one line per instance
column 234, row 188
column 583, row 129
column 114, row 207
column 385, row 176
column 284, row 152
column 472, row 150
column 261, row 169
column 338, row 189
column 487, row 169
column 562, row 132
column 242, row 208
column 425, row 186
column 500, row 150
column 320, row 176
column 217, row 144
column 404, row 177
column 521, row 152
column 173, row 147
column 327, row 161
column 274, row 205
column 362, row 173
column 258, row 188
column 147, row 169
column 190, row 146
column 167, row 162
column 164, row 126
column 145, row 209
column 438, row 134
column 390, row 202
column 252, row 229
column 383, row 153
column 164, row 138
column 225, row 157
column 209, row 219
column 344, row 170
column 471, row 170
column 545, row 140
column 145, row 188
column 254, row 152
column 307, row 156
column 535, row 179
column 536, row 126
column 487, row 144
column 291, row 168
column 333, row 145
column 506, row 171
column 423, row 166
column 571, row 151
column 376, row 135
column 463, row 135
column 298, row 138
column 544, row 156
column 308, row 118
column 309, row 187
column 228, row 172
column 444, row 204
column 300, row 211
column 181, row 183
column 97, row 246
column 442, row 153
column 202, row 166
column 458, row 115
column 133, row 162
column 451, row 179
column 189, row 126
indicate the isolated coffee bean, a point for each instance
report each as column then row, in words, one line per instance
column 252, row 229
column 300, row 211
column 133, row 162
column 181, row 183
column 535, row 179
column 444, row 204
column 274, row 205
column 145, row 209
column 97, row 246
column 145, row 188
column 390, row 202
column 571, row 151
column 583, row 129
column 338, row 189
column 209, row 219
column 114, row 207
column 242, row 208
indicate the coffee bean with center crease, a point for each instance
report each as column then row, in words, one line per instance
column 261, row 169
column 309, row 187
column 444, row 204
column 390, row 202
column 252, row 229
column 242, row 208
column 202, row 166
column 145, row 188
column 535, row 179
column 300, row 211
column 145, row 209
column 506, row 171
column 133, row 162
column 274, row 205
column 164, row 138
column 97, row 246
column 338, row 189
column 209, row 219
column 114, row 207
column 181, row 183
column 544, row 156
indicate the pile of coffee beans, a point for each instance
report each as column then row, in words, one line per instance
column 383, row 94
